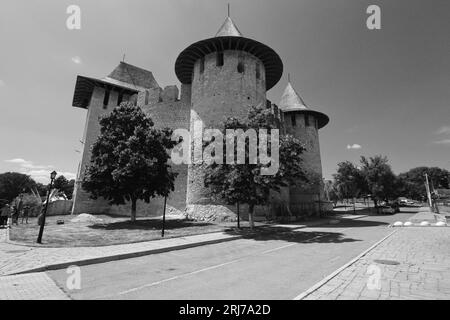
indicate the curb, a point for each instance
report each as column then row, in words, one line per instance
column 359, row 217
column 319, row 284
column 40, row 246
column 7, row 234
column 123, row 256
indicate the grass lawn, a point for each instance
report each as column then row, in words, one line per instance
column 112, row 230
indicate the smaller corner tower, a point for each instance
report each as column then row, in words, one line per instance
column 304, row 123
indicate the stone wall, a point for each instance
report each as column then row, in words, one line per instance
column 216, row 93
column 59, row 207
column 166, row 110
column 303, row 200
column 219, row 92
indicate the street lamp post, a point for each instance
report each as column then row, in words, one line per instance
column 41, row 228
column 164, row 218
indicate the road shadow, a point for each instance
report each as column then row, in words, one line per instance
column 150, row 224
column 408, row 210
column 289, row 235
column 356, row 223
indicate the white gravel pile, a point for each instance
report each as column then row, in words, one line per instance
column 86, row 218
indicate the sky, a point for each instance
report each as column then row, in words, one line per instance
column 386, row 91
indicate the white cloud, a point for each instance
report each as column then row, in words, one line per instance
column 40, row 173
column 443, row 130
column 43, row 176
column 445, row 141
column 76, row 60
column 27, row 164
column 18, row 161
column 353, row 146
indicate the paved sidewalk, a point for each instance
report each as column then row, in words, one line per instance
column 32, row 286
column 422, row 272
column 16, row 258
column 20, row 258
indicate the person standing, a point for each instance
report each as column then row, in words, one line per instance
column 26, row 213
column 18, row 210
column 12, row 210
column 4, row 214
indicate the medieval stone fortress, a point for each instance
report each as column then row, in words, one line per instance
column 220, row 77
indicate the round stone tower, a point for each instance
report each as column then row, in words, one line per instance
column 304, row 124
column 228, row 74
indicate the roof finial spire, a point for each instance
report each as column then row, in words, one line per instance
column 228, row 10
column 123, row 59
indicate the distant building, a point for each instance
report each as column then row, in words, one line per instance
column 220, row 77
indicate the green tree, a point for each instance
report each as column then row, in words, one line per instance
column 245, row 183
column 380, row 179
column 14, row 183
column 41, row 189
column 64, row 185
column 349, row 180
column 413, row 181
column 129, row 160
column 332, row 192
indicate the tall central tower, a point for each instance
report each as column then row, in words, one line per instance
column 228, row 74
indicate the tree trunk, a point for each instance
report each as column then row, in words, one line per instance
column 354, row 205
column 133, row 209
column 238, row 216
column 251, row 208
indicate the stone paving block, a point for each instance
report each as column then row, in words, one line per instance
column 33, row 286
column 423, row 272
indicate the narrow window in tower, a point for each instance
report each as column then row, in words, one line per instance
column 240, row 67
column 219, row 60
column 146, row 97
column 293, row 120
column 258, row 72
column 120, row 99
column 106, row 98
column 202, row 65
column 306, row 120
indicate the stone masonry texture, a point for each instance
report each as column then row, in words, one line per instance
column 216, row 92
column 418, row 269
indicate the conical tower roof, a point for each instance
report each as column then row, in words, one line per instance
column 229, row 38
column 228, row 29
column 292, row 102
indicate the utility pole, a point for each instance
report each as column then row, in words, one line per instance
column 427, row 187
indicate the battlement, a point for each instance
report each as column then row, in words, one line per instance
column 168, row 94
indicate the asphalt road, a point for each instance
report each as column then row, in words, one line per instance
column 276, row 266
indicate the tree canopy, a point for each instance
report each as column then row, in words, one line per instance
column 245, row 183
column 349, row 180
column 413, row 181
column 64, row 185
column 129, row 160
column 14, row 183
column 379, row 177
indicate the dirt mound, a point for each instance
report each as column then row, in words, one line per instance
column 174, row 211
column 86, row 218
column 210, row 213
